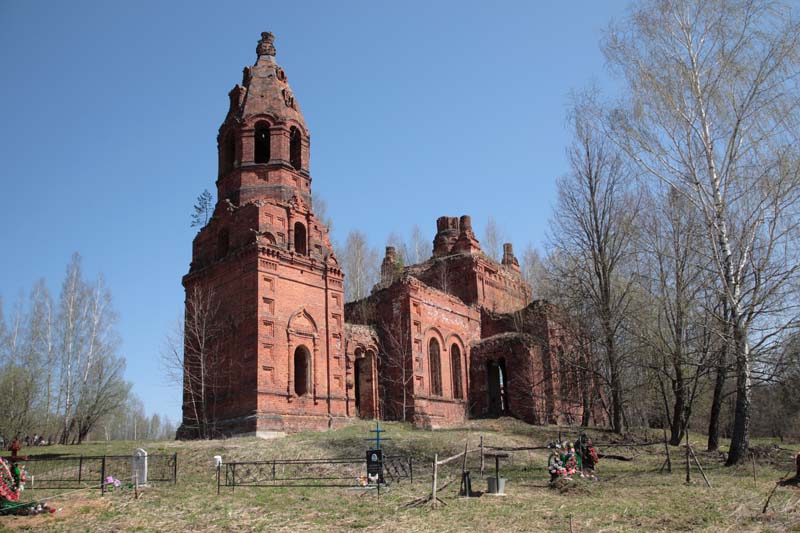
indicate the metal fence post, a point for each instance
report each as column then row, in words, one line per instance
column 80, row 469
column 175, row 469
column 219, row 467
column 411, row 468
column 103, row 476
column 233, row 477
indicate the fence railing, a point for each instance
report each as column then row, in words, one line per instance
column 69, row 472
column 327, row 472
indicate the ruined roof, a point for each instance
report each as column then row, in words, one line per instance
column 265, row 89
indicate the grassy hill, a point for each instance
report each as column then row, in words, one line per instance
column 630, row 496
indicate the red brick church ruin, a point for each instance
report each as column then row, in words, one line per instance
column 271, row 345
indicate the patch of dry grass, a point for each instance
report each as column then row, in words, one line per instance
column 629, row 496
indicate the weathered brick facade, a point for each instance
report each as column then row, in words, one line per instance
column 449, row 338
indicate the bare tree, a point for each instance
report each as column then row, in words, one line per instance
column 192, row 358
column 42, row 325
column 592, row 236
column 321, row 211
column 493, row 238
column 532, row 270
column 415, row 250
column 674, row 325
column 419, row 247
column 397, row 373
column 712, row 91
column 361, row 264
column 59, row 368
column 91, row 372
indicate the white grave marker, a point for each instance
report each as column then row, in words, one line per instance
column 139, row 467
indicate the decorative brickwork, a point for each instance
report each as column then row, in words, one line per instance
column 452, row 337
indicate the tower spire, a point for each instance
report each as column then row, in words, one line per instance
column 266, row 46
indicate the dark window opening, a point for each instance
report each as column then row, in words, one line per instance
column 299, row 238
column 262, row 139
column 302, row 371
column 455, row 367
column 498, row 386
column 436, row 368
column 227, row 154
column 357, row 383
column 295, row 149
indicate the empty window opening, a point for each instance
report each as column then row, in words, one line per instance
column 302, row 371
column 295, row 148
column 300, row 238
column 455, row 368
column 436, row 368
column 262, row 154
column 498, row 385
column 357, row 380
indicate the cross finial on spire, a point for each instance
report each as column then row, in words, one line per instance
column 266, row 45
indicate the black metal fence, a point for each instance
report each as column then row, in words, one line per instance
column 329, row 472
column 68, row 472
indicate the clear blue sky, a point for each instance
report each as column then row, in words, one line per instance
column 109, row 113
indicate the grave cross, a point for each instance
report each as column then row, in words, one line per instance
column 377, row 438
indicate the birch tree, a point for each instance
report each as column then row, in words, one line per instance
column 712, row 110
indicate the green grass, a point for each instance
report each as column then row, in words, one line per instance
column 630, row 496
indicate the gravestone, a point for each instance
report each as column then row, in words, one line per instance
column 139, row 467
column 375, row 466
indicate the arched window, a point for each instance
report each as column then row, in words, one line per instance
column 455, row 368
column 436, row 368
column 302, row 371
column 299, row 238
column 222, row 243
column 261, row 148
column 295, row 148
column 227, row 154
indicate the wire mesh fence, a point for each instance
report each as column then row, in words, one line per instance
column 70, row 472
column 327, row 472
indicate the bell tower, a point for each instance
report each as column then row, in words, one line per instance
column 263, row 143
column 266, row 264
